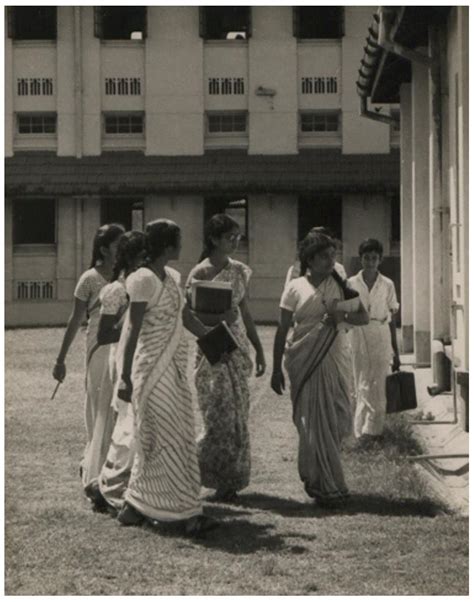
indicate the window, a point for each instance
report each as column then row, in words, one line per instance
column 319, row 122
column 34, row 221
column 34, row 290
column 235, row 207
column 34, row 86
column 318, row 22
column 320, row 210
column 123, row 123
column 227, row 123
column 32, row 22
column 120, row 22
column 319, row 85
column 36, row 123
column 224, row 22
column 226, row 85
column 128, row 212
column 123, row 86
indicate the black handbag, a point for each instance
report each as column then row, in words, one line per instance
column 400, row 392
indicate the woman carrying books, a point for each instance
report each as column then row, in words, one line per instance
column 318, row 362
column 99, row 415
column 165, row 483
column 223, row 390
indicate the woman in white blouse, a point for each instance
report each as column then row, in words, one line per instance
column 374, row 345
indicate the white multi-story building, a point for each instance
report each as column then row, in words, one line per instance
column 132, row 113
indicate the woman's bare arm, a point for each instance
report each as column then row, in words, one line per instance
column 253, row 337
column 286, row 321
column 73, row 324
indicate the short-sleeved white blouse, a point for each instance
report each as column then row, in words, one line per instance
column 113, row 298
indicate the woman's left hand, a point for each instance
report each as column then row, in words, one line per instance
column 260, row 363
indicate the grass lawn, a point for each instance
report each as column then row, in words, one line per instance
column 391, row 539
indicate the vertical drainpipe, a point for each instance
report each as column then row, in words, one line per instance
column 78, row 81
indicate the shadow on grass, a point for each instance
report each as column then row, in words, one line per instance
column 358, row 503
column 236, row 535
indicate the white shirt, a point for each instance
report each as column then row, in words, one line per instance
column 381, row 301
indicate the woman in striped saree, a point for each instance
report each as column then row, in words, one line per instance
column 165, row 482
column 99, row 416
column 319, row 366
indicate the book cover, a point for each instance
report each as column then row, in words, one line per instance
column 211, row 297
column 216, row 342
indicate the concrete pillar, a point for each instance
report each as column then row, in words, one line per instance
column 174, row 101
column 406, row 201
column 91, row 85
column 187, row 212
column 421, row 214
column 8, row 250
column 438, row 197
column 89, row 208
column 9, row 124
column 66, row 269
column 273, row 125
column 65, row 82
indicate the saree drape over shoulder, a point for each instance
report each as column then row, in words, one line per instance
column 223, row 395
column 165, row 481
column 99, row 415
column 319, row 367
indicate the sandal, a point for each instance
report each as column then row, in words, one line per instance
column 98, row 501
column 224, row 495
column 129, row 516
column 198, row 525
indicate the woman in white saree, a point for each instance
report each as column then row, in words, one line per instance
column 319, row 366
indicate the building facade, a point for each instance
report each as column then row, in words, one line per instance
column 418, row 56
column 132, row 113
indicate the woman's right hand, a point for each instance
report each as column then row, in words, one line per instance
column 230, row 316
column 278, row 382
column 59, row 371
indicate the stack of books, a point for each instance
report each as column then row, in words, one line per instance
column 216, row 342
column 211, row 297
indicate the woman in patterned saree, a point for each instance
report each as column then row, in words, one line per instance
column 99, row 416
column 223, row 391
column 165, row 483
column 318, row 362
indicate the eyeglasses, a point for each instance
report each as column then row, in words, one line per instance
column 233, row 237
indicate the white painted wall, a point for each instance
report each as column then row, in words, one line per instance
column 64, row 82
column 359, row 134
column 364, row 216
column 122, row 58
column 91, row 78
column 187, row 211
column 272, row 64
column 319, row 58
column 225, row 58
column 174, row 82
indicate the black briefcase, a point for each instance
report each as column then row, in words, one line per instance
column 400, row 392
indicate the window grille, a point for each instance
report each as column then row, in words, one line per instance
column 124, row 124
column 319, row 122
column 35, row 86
column 226, row 85
column 22, row 86
column 226, row 123
column 34, row 290
column 319, row 85
column 40, row 123
column 123, row 86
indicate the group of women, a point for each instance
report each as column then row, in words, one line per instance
column 142, row 461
